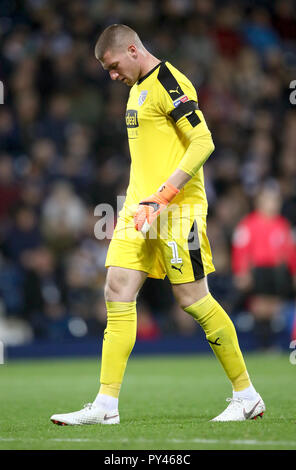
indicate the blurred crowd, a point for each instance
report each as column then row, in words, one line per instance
column 64, row 150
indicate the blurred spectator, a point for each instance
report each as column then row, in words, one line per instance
column 9, row 132
column 284, row 19
column 264, row 260
column 11, row 287
column 44, row 159
column 147, row 327
column 63, row 217
column 221, row 283
column 77, row 165
column 27, row 110
column 44, row 296
column 23, row 236
column 56, row 122
column 9, row 188
column 227, row 30
column 258, row 32
column 258, row 162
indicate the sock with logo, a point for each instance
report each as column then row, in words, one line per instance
column 118, row 342
column 221, row 335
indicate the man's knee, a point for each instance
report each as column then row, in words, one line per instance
column 122, row 285
column 191, row 292
column 115, row 286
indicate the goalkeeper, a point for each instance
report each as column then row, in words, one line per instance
column 161, row 230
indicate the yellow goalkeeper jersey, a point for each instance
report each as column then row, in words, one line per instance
column 161, row 108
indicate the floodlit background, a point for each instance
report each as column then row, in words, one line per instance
column 63, row 151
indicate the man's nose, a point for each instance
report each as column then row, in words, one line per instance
column 114, row 75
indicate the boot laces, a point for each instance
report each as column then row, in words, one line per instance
column 87, row 406
column 234, row 400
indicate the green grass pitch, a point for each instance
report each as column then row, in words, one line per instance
column 166, row 403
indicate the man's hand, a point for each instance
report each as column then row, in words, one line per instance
column 150, row 208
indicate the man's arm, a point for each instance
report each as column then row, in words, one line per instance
column 198, row 151
column 179, row 178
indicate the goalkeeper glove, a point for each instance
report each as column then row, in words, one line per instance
column 150, row 208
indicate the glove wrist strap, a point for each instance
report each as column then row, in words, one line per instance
column 167, row 191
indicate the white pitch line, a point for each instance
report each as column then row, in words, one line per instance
column 175, row 441
column 236, row 442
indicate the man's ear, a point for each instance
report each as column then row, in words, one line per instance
column 132, row 51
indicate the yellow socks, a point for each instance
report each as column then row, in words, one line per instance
column 120, row 337
column 221, row 335
column 119, row 340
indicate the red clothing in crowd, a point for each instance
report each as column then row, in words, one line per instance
column 261, row 241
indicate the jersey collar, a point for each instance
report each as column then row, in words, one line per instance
column 149, row 73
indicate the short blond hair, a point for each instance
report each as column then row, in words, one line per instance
column 116, row 37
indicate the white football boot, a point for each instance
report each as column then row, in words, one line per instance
column 90, row 414
column 240, row 409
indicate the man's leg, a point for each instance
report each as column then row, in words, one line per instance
column 122, row 287
column 121, row 290
column 195, row 299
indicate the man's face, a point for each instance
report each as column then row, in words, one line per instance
column 122, row 65
column 269, row 202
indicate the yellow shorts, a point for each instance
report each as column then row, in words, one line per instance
column 181, row 251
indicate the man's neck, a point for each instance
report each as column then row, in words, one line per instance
column 148, row 63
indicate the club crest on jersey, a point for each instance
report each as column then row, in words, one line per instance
column 180, row 100
column 142, row 97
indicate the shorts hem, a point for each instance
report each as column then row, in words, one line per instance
column 187, row 281
column 149, row 274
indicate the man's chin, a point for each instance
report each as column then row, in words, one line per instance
column 128, row 81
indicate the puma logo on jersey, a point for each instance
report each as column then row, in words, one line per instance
column 215, row 342
column 178, row 269
column 175, row 91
